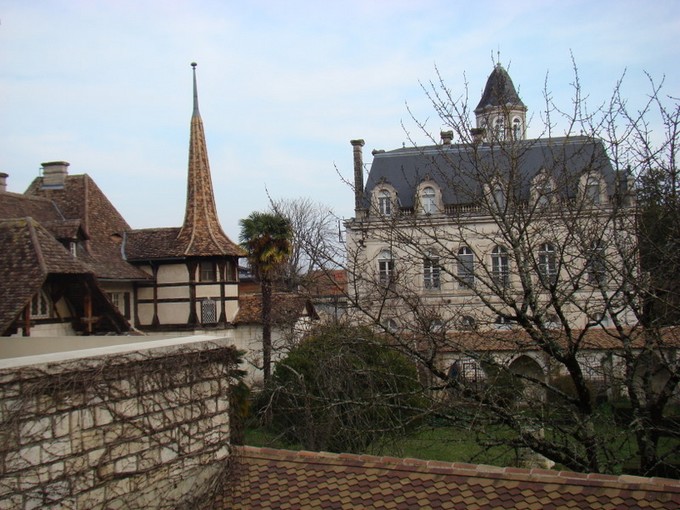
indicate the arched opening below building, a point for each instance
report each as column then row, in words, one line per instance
column 529, row 375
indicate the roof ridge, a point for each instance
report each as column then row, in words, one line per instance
column 463, row 469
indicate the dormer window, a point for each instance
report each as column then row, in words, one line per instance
column 385, row 203
column 592, row 187
column 40, row 306
column 543, row 190
column 429, row 199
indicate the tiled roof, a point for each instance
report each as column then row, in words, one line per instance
column 266, row 478
column 29, row 254
column 287, row 308
column 324, row 283
column 81, row 199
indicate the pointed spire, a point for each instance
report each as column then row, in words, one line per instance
column 201, row 233
column 196, row 112
column 499, row 91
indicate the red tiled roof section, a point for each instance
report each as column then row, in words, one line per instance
column 29, row 254
column 266, row 478
column 81, row 199
column 287, row 308
column 324, row 283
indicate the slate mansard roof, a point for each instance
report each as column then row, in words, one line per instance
column 462, row 170
column 266, row 478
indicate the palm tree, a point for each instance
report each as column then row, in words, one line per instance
column 267, row 239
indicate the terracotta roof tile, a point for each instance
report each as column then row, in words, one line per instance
column 287, row 308
column 325, row 480
column 81, row 200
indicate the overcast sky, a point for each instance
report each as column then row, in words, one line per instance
column 284, row 85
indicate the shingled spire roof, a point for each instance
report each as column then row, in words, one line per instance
column 499, row 91
column 201, row 233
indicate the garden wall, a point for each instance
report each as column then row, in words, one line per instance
column 142, row 428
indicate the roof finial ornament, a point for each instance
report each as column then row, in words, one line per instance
column 193, row 67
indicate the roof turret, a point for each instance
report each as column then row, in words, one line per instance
column 499, row 91
column 201, row 233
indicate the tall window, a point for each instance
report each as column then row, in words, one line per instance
column 431, row 272
column 385, row 203
column 516, row 129
column 593, row 190
column 386, row 267
column 208, row 271
column 466, row 268
column 595, row 264
column 499, row 127
column 429, row 203
column 500, row 269
column 547, row 264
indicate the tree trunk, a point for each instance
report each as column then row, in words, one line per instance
column 266, row 329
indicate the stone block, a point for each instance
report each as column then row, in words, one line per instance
column 9, row 484
column 61, row 424
column 102, row 416
column 55, row 449
column 35, row 430
column 125, row 465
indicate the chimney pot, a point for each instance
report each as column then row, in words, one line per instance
column 54, row 174
column 447, row 137
column 3, row 181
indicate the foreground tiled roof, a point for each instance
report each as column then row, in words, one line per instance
column 266, row 478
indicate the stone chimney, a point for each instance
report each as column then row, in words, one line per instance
column 3, row 181
column 478, row 135
column 447, row 137
column 358, row 176
column 54, row 174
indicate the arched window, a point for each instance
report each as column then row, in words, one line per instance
column 386, row 268
column 516, row 128
column 429, row 200
column 466, row 268
column 500, row 268
column 543, row 189
column 40, row 306
column 467, row 322
column 385, row 203
column 547, row 263
column 499, row 128
column 431, row 271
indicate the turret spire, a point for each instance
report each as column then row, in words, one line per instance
column 201, row 233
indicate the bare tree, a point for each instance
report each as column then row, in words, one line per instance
column 315, row 242
column 510, row 270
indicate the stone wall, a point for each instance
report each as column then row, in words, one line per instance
column 141, row 429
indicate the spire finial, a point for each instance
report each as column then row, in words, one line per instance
column 193, row 67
